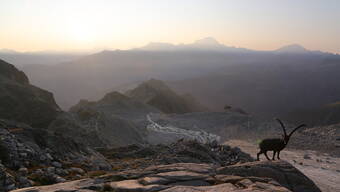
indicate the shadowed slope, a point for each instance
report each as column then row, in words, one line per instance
column 23, row 102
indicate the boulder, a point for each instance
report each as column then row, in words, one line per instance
column 281, row 171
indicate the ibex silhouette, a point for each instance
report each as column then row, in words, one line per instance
column 276, row 144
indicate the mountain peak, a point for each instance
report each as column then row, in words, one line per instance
column 155, row 82
column 154, row 85
column 159, row 95
column 293, row 48
column 207, row 41
column 113, row 96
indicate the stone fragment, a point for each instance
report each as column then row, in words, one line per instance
column 56, row 164
column 245, row 183
column 23, row 171
column 77, row 170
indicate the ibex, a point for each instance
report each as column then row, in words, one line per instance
column 276, row 144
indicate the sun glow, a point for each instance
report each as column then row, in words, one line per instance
column 123, row 24
column 81, row 32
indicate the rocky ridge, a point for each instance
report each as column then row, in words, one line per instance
column 192, row 177
column 23, row 102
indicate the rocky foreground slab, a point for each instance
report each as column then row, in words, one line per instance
column 192, row 177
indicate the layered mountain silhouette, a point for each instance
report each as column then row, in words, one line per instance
column 265, row 83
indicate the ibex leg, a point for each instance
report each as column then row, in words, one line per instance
column 258, row 155
column 265, row 153
column 274, row 152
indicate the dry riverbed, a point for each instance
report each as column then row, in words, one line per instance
column 323, row 169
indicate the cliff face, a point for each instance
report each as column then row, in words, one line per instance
column 23, row 102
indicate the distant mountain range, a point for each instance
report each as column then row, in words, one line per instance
column 205, row 44
column 264, row 83
column 211, row 44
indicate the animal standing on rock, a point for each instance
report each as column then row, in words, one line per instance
column 276, row 144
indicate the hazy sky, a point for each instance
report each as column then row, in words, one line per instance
column 34, row 25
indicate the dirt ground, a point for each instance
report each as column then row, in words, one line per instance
column 323, row 169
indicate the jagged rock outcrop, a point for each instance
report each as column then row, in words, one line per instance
column 190, row 177
column 30, row 156
column 280, row 171
column 156, row 93
column 23, row 102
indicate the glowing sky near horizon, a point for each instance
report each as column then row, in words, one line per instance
column 84, row 25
